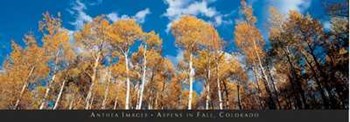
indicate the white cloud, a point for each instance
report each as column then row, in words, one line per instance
column 197, row 8
column 175, row 7
column 178, row 8
column 218, row 20
column 78, row 10
column 298, row 5
column 82, row 17
column 176, row 59
column 327, row 25
column 113, row 16
column 140, row 16
column 96, row 2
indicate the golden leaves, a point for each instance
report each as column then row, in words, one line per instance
column 191, row 32
column 119, row 68
column 247, row 36
column 248, row 13
column 125, row 32
column 152, row 39
column 55, row 38
column 50, row 24
column 17, row 52
column 339, row 25
column 276, row 21
column 93, row 34
column 249, row 39
column 100, row 39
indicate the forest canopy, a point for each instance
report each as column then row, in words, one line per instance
column 96, row 67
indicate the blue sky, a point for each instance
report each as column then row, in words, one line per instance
column 22, row 16
column 19, row 17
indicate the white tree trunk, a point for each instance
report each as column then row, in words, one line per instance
column 218, row 85
column 258, row 87
column 149, row 106
column 59, row 95
column 106, row 91
column 208, row 89
column 71, row 104
column 144, row 68
column 260, row 64
column 115, row 102
column 43, row 101
column 93, row 77
column 137, row 89
column 156, row 102
column 191, row 82
column 92, row 101
column 208, row 97
column 24, row 87
column 127, row 98
column 21, row 94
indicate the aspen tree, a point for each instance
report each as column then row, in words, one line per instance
column 93, row 40
column 151, row 44
column 249, row 39
column 9, row 78
column 33, row 68
column 56, row 45
column 123, row 34
column 189, row 34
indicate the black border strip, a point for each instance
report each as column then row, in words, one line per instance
column 174, row 115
